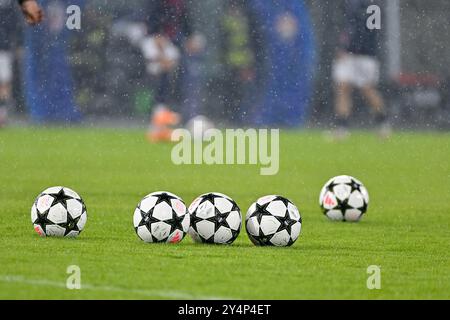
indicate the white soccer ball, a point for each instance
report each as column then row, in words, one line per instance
column 58, row 212
column 161, row 217
column 273, row 221
column 344, row 198
column 200, row 128
column 215, row 218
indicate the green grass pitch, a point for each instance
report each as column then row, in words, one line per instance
column 406, row 231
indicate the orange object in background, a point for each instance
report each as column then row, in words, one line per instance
column 162, row 124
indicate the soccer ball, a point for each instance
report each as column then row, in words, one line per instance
column 215, row 218
column 161, row 217
column 273, row 221
column 58, row 212
column 344, row 198
column 200, row 127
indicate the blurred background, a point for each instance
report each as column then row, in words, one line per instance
column 239, row 63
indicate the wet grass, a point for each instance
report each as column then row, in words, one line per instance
column 406, row 231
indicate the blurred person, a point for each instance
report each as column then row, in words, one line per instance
column 32, row 11
column 170, row 36
column 9, row 27
column 238, row 57
column 285, row 63
column 357, row 66
column 193, row 80
column 47, row 77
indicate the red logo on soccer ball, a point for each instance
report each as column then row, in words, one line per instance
column 329, row 201
column 176, row 238
column 39, row 231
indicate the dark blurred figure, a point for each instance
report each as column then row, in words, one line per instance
column 357, row 66
column 9, row 28
column 169, row 28
column 169, row 19
column 170, row 37
column 238, row 58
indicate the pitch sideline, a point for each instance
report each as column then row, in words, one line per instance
column 168, row 294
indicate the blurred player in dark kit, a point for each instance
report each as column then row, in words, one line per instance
column 169, row 27
column 357, row 66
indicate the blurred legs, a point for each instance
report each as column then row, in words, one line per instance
column 374, row 99
column 376, row 102
column 343, row 106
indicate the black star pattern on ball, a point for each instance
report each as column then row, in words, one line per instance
column 42, row 220
column 282, row 199
column 165, row 197
column 331, row 186
column 209, row 197
column 195, row 220
column 70, row 225
column 343, row 206
column 363, row 209
column 264, row 239
column 287, row 219
column 235, row 233
column 354, row 185
column 286, row 223
column 219, row 219
column 235, row 207
column 60, row 197
column 147, row 219
column 175, row 223
column 261, row 211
